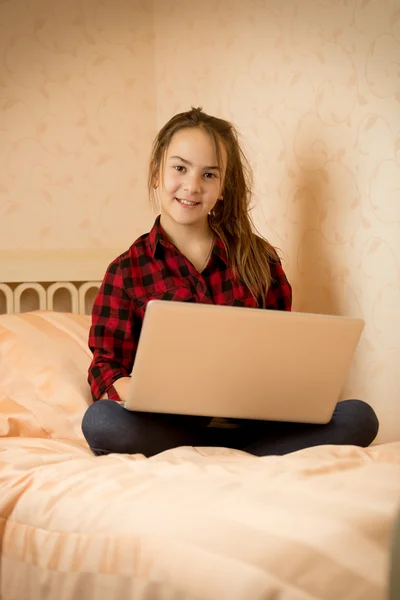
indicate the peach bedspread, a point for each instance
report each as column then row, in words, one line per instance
column 190, row 523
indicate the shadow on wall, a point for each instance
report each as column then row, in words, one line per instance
column 316, row 291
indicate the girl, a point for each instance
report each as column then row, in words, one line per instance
column 200, row 249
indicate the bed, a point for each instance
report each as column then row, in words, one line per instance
column 190, row 523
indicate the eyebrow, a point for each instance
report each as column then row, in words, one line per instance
column 187, row 162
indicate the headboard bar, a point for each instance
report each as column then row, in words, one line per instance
column 36, row 277
column 23, row 266
column 78, row 294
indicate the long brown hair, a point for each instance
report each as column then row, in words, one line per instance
column 248, row 254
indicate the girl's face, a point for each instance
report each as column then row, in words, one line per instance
column 191, row 180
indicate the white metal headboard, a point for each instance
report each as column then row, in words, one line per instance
column 52, row 280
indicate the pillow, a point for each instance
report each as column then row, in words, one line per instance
column 44, row 359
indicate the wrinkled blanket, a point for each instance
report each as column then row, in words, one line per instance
column 190, row 523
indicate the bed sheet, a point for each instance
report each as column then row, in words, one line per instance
column 189, row 523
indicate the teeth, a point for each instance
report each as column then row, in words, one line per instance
column 186, row 202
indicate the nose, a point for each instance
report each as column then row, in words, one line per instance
column 192, row 183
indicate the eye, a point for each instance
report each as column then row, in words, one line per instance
column 209, row 175
column 179, row 168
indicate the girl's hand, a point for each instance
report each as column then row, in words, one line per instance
column 121, row 386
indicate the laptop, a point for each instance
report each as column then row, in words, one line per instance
column 242, row 363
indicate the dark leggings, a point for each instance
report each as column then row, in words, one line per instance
column 108, row 428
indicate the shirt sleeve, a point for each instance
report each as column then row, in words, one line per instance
column 111, row 336
column 279, row 295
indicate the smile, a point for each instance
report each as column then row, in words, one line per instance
column 187, row 202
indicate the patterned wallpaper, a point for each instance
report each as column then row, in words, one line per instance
column 77, row 115
column 312, row 85
column 314, row 88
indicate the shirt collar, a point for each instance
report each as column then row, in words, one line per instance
column 157, row 236
column 220, row 249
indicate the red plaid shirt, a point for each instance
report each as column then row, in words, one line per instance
column 153, row 268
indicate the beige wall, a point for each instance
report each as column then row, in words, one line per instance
column 314, row 88
column 77, row 115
